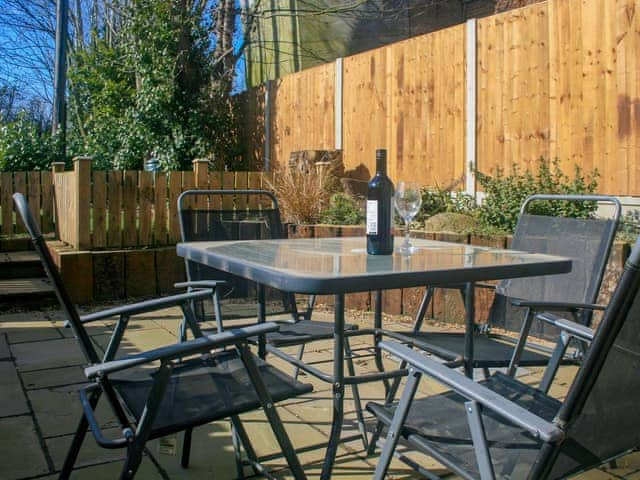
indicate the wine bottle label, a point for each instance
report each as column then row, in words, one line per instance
column 372, row 217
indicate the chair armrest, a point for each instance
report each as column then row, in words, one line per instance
column 146, row 306
column 536, row 426
column 191, row 347
column 562, row 306
column 575, row 329
column 200, row 284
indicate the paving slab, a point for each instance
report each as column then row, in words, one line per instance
column 47, row 354
column 30, row 331
column 90, row 454
column 58, row 410
column 12, row 400
column 5, row 354
column 52, row 377
column 110, row 471
column 22, row 455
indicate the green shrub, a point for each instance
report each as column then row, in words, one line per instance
column 24, row 146
column 504, row 194
column 437, row 200
column 629, row 228
column 343, row 210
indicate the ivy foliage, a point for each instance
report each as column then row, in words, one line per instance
column 24, row 145
column 149, row 93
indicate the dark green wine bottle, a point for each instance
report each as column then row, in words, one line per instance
column 380, row 209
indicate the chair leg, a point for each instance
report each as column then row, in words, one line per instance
column 296, row 369
column 78, row 439
column 132, row 462
column 389, row 399
column 241, row 437
column 356, row 393
column 186, row 448
column 74, row 449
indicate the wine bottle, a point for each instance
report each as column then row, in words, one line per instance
column 379, row 209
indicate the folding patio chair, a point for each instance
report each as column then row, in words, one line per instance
column 503, row 428
column 222, row 215
column 587, row 241
column 173, row 388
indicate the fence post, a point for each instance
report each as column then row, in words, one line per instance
column 82, row 184
column 472, row 106
column 201, row 172
column 57, row 167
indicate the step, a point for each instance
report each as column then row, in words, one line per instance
column 26, row 293
column 25, row 264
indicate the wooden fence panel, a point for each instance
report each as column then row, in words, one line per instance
column 130, row 203
column 20, row 185
column 160, row 209
column 145, row 212
column 6, row 183
column 99, row 206
column 175, row 188
column 114, row 192
column 34, row 195
column 303, row 113
column 46, row 179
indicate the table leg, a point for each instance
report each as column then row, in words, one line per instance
column 469, row 320
column 262, row 316
column 377, row 337
column 338, row 387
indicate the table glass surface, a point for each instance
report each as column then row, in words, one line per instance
column 339, row 259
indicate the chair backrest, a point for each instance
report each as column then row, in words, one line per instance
column 69, row 309
column 219, row 215
column 601, row 412
column 587, row 241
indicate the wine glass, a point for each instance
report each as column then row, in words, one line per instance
column 407, row 199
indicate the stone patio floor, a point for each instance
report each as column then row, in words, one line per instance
column 41, row 369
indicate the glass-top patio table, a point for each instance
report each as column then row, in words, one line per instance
column 338, row 266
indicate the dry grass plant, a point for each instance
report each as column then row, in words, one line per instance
column 303, row 196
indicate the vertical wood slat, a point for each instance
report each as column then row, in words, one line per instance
column 241, row 183
column 145, row 192
column 175, row 188
column 20, row 185
column 99, row 204
column 215, row 183
column 254, row 182
column 160, row 209
column 34, row 196
column 114, row 192
column 6, row 183
column 130, row 204
column 228, row 183
column 46, row 178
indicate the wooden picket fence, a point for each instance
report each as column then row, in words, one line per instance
column 111, row 209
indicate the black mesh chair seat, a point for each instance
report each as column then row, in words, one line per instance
column 174, row 387
column 587, row 241
column 503, row 428
column 204, row 390
column 304, row 331
column 488, row 352
column 438, row 425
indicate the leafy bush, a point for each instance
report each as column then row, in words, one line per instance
column 24, row 146
column 629, row 228
column 437, row 200
column 505, row 194
column 343, row 210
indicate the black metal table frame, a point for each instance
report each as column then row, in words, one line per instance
column 338, row 380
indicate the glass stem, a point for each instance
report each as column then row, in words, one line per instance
column 407, row 225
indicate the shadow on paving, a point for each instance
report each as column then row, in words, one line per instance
column 41, row 369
